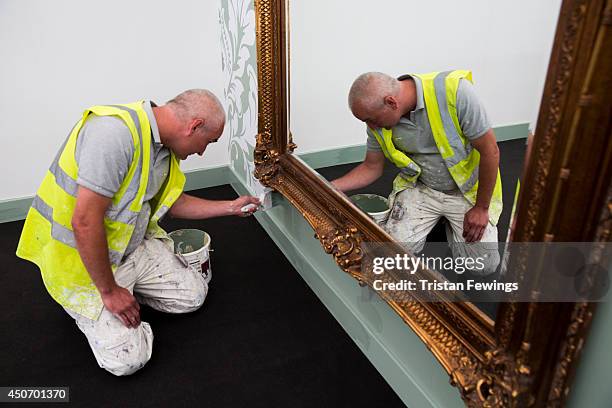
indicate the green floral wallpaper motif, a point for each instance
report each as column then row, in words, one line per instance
column 239, row 64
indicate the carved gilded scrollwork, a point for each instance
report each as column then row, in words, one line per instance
column 291, row 146
column 505, row 380
column 266, row 160
column 344, row 245
column 502, row 366
column 571, row 347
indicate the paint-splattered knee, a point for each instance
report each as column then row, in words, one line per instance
column 126, row 351
column 199, row 295
column 126, row 359
column 128, row 365
column 192, row 299
column 490, row 260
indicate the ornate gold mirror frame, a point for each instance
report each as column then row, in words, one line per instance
column 528, row 356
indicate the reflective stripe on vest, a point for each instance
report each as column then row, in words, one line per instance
column 461, row 159
column 47, row 238
column 169, row 193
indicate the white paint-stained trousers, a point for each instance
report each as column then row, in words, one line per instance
column 157, row 278
column 416, row 211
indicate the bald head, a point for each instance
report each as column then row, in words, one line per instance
column 199, row 104
column 370, row 89
column 190, row 122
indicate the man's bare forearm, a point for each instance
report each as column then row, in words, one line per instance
column 487, row 175
column 195, row 208
column 361, row 176
column 92, row 244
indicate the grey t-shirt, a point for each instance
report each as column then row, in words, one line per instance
column 413, row 134
column 104, row 152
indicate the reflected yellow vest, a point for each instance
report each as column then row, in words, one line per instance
column 47, row 238
column 461, row 159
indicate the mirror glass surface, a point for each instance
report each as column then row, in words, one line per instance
column 506, row 45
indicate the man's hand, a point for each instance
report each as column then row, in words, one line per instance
column 121, row 303
column 237, row 204
column 475, row 223
column 195, row 208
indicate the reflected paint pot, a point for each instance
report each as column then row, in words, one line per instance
column 377, row 207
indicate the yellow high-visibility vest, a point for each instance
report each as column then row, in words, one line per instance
column 47, row 238
column 461, row 159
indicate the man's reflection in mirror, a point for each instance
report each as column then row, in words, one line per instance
column 434, row 128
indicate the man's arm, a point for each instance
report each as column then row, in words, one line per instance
column 195, row 208
column 364, row 174
column 476, row 219
column 91, row 240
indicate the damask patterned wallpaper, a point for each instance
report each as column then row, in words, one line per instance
column 239, row 64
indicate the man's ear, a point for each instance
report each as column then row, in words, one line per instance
column 391, row 102
column 195, row 124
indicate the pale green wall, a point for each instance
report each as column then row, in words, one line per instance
column 593, row 384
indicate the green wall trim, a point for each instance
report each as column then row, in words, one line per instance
column 207, row 177
column 392, row 347
column 14, row 209
column 511, row 132
column 335, row 156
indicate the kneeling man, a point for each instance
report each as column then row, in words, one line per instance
column 93, row 226
column 434, row 128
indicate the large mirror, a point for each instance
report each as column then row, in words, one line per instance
column 498, row 352
column 506, row 46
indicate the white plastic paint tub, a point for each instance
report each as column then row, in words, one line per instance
column 377, row 207
column 194, row 246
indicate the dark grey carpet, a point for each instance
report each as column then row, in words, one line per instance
column 262, row 338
